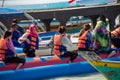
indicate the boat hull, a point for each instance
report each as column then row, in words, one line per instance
column 45, row 67
column 43, row 72
column 109, row 68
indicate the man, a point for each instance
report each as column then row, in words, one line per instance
column 19, row 28
column 15, row 35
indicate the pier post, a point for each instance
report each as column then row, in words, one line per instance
column 47, row 23
column 103, row 18
column 63, row 20
column 112, row 22
column 93, row 20
column 62, row 17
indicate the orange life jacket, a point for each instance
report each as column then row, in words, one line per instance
column 57, row 44
column 82, row 40
column 116, row 32
column 3, row 48
column 33, row 42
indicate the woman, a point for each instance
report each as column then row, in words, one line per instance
column 63, row 45
column 7, row 50
column 102, row 39
column 85, row 41
column 30, row 41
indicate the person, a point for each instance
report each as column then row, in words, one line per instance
column 85, row 41
column 115, row 36
column 63, row 44
column 102, row 41
column 19, row 28
column 7, row 50
column 15, row 35
column 30, row 41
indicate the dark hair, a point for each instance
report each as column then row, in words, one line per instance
column 13, row 24
column 86, row 27
column 61, row 29
column 7, row 34
column 14, row 20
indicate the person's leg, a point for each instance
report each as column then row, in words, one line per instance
column 66, row 55
column 31, row 53
column 21, row 61
column 111, row 52
column 19, row 65
column 26, row 50
column 72, row 55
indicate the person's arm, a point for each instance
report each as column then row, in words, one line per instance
column 18, row 34
column 39, row 39
column 89, row 36
column 24, row 38
column 10, row 46
column 66, row 42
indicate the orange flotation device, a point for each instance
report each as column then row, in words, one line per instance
column 33, row 42
column 116, row 32
column 57, row 44
column 3, row 48
column 82, row 40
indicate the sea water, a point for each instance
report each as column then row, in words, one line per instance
column 88, row 76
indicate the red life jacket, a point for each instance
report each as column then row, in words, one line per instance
column 33, row 42
column 116, row 32
column 3, row 48
column 82, row 40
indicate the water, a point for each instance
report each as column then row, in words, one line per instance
column 89, row 76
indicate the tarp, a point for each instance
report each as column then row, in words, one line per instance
column 6, row 12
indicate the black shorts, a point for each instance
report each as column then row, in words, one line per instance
column 29, row 52
column 14, row 60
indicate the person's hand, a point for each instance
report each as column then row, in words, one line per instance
column 15, row 55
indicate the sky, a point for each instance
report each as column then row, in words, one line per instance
column 24, row 2
column 8, row 3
